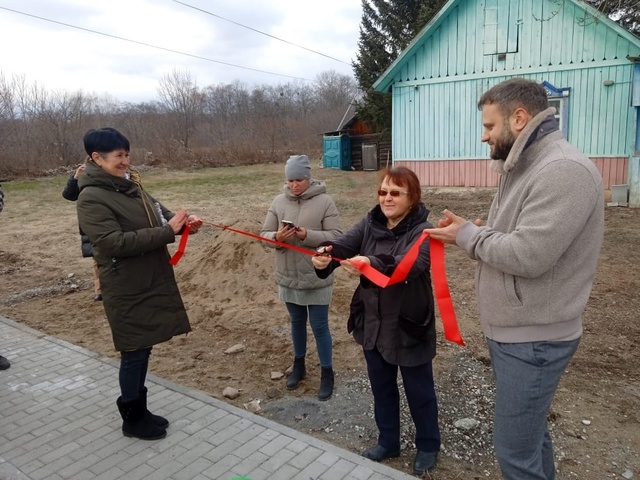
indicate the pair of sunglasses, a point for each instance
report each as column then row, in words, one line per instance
column 393, row 193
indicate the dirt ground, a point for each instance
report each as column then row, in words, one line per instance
column 227, row 284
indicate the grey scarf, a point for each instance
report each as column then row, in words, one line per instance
column 522, row 141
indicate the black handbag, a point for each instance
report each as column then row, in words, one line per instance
column 356, row 312
column 87, row 251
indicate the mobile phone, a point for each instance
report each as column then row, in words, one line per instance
column 288, row 224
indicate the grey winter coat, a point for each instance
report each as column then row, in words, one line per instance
column 313, row 210
column 537, row 255
column 398, row 320
column 139, row 290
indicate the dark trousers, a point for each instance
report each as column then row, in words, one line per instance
column 421, row 397
column 133, row 372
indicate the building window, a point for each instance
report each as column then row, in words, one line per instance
column 501, row 27
column 559, row 99
column 558, row 104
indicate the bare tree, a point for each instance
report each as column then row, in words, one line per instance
column 181, row 97
column 7, row 114
column 335, row 91
column 224, row 124
column 61, row 117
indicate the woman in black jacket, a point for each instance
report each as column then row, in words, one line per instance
column 395, row 325
column 71, row 192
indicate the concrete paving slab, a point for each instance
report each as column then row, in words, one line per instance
column 58, row 420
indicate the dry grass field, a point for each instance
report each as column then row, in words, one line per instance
column 227, row 284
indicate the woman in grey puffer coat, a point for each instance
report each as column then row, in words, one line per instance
column 313, row 219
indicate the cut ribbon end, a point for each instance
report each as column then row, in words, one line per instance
column 442, row 294
column 181, row 246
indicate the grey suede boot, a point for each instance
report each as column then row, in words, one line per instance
column 134, row 422
column 326, row 384
column 297, row 374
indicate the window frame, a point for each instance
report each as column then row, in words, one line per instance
column 560, row 99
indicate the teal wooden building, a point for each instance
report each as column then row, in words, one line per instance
column 589, row 65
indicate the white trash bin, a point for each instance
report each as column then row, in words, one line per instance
column 620, row 195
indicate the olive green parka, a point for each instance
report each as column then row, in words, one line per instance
column 140, row 294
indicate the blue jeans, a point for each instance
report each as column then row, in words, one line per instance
column 133, row 372
column 421, row 396
column 318, row 316
column 527, row 376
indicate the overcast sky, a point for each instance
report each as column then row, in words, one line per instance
column 60, row 57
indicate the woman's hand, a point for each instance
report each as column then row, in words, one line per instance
column 178, row 221
column 322, row 259
column 194, row 223
column 284, row 233
column 300, row 233
column 79, row 170
column 351, row 268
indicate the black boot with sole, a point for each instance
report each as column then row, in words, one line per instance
column 326, row 384
column 135, row 423
column 157, row 419
column 297, row 374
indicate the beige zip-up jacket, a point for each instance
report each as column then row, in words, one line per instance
column 317, row 213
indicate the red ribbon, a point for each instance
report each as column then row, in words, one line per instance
column 400, row 272
column 181, row 246
column 438, row 270
column 442, row 294
column 440, row 284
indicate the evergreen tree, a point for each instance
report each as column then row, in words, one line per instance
column 387, row 27
column 625, row 12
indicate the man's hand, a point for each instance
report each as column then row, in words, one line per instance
column 448, row 227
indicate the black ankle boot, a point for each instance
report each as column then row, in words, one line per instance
column 297, row 374
column 424, row 462
column 326, row 384
column 134, row 422
column 157, row 419
column 379, row 453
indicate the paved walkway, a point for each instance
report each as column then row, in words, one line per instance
column 58, row 420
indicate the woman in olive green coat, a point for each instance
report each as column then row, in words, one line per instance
column 129, row 233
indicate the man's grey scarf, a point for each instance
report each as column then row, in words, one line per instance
column 524, row 140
